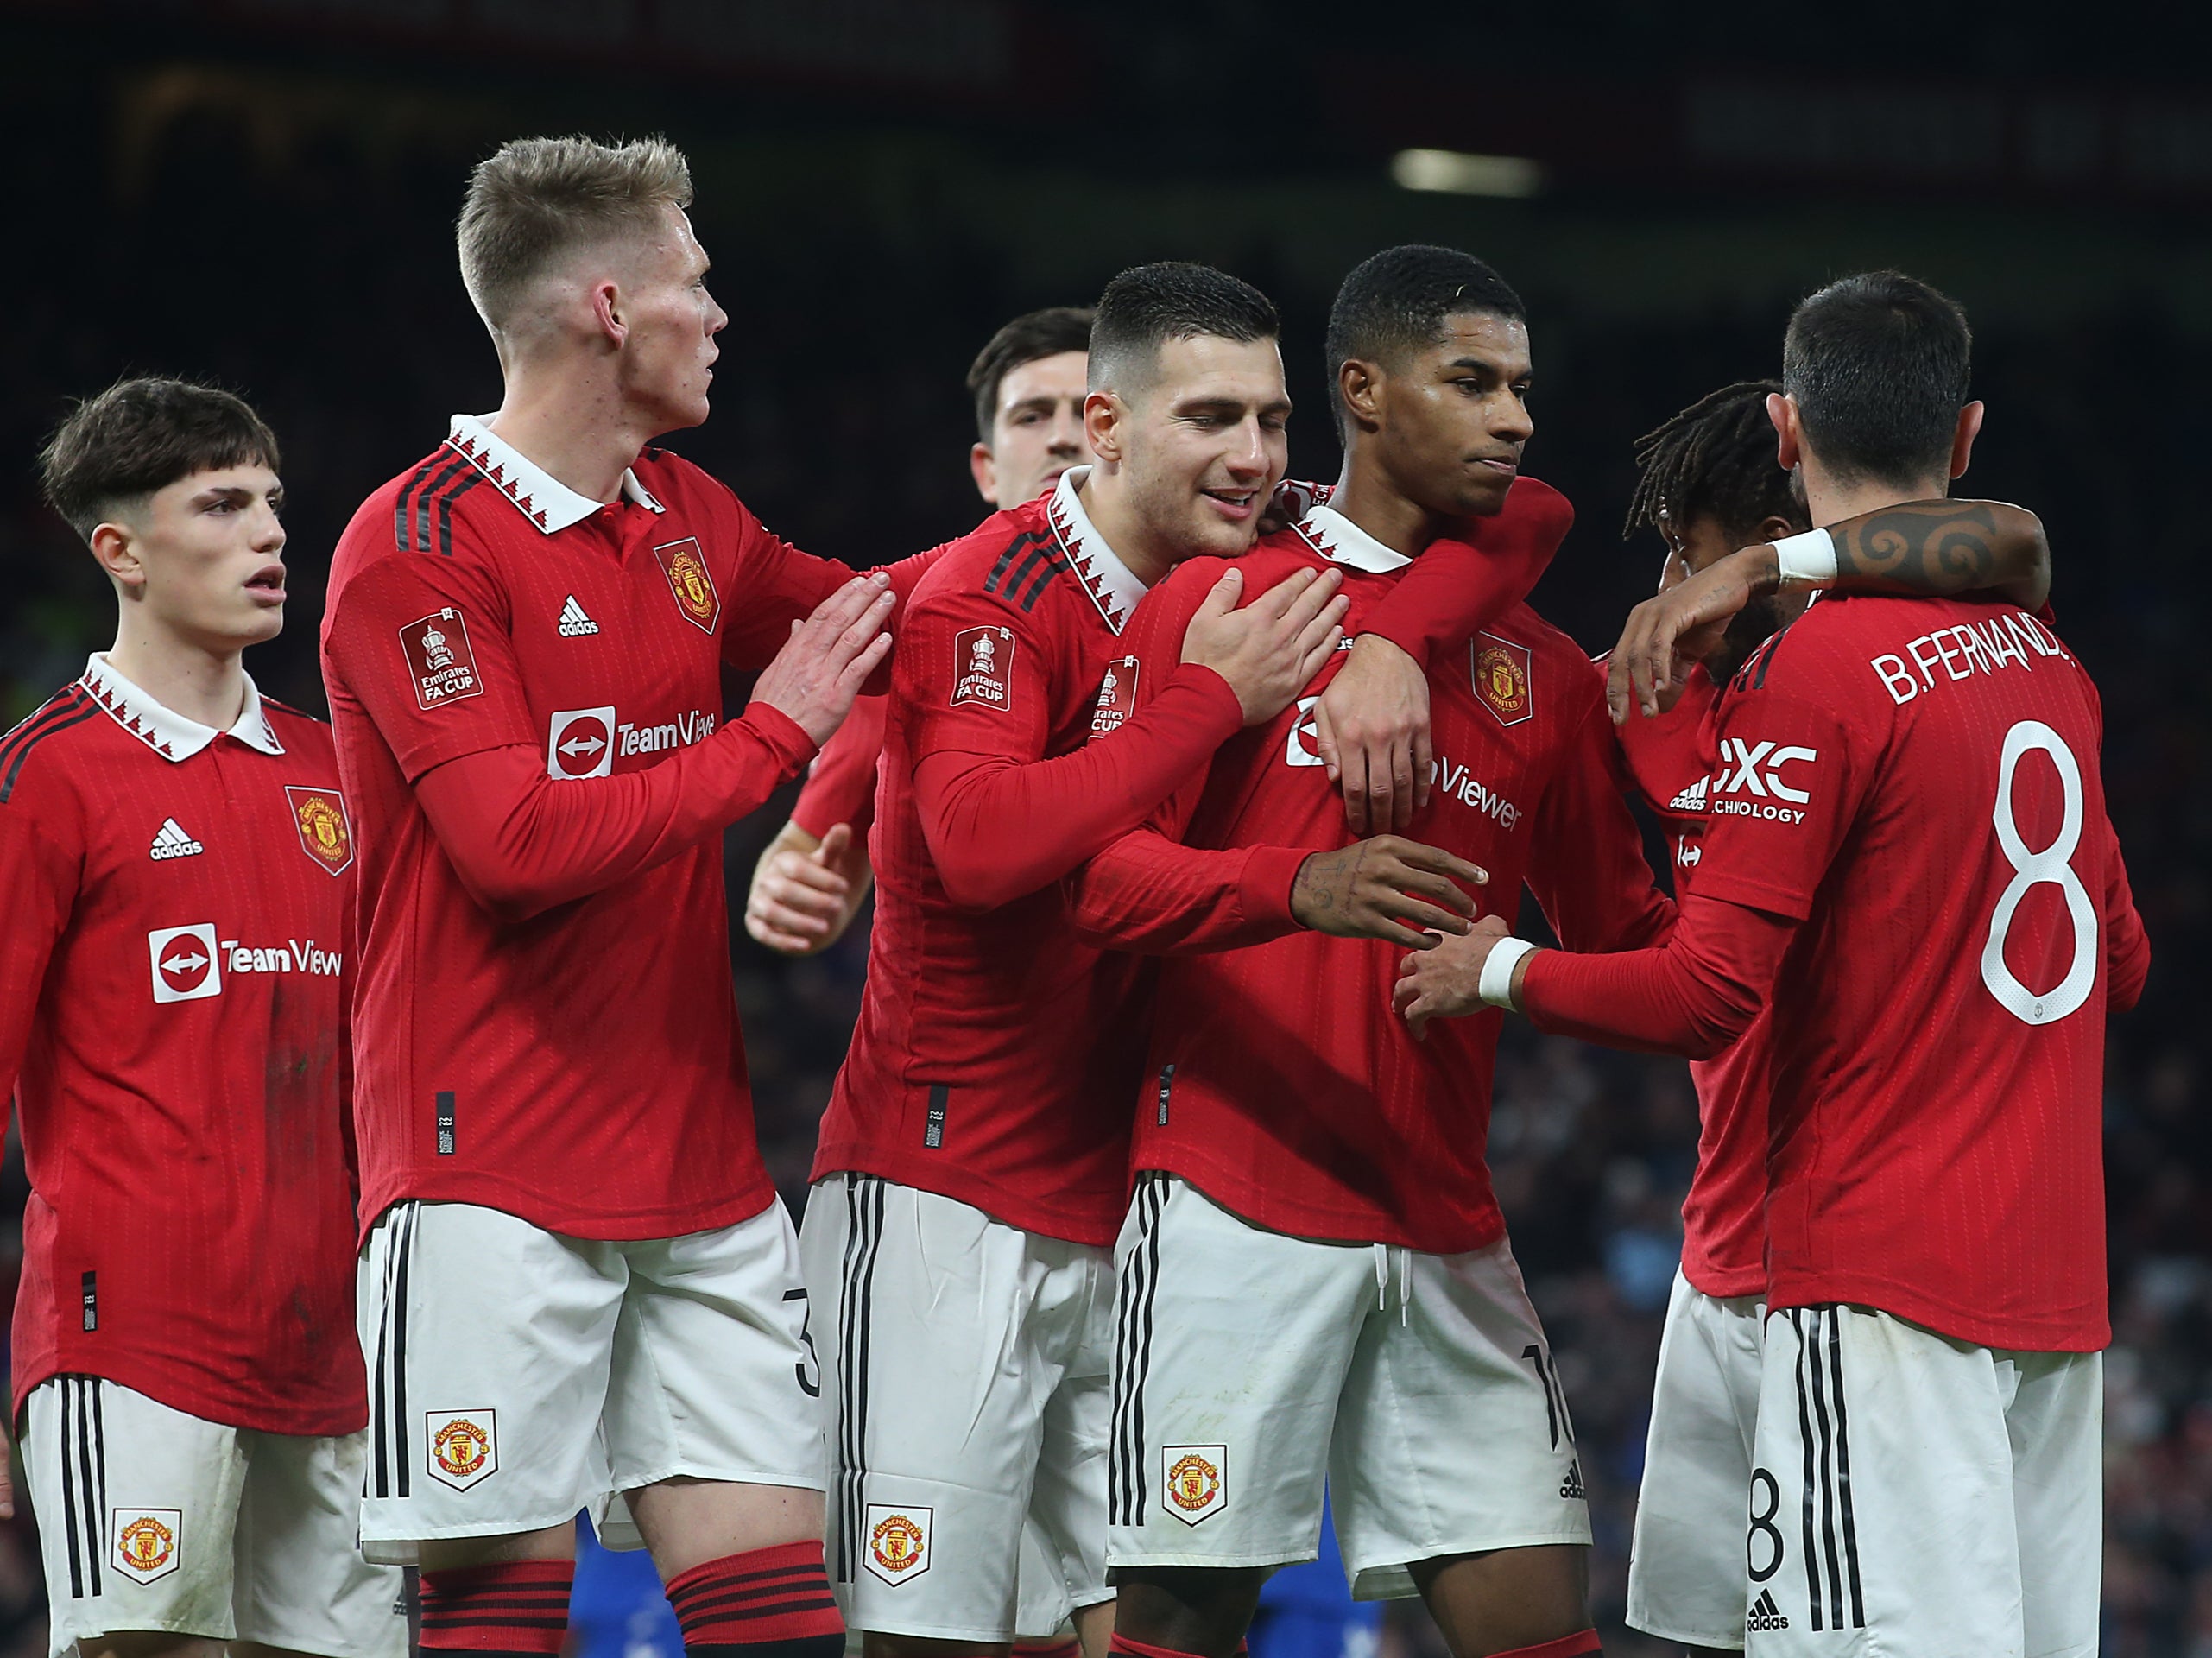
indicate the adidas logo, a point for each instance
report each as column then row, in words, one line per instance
column 171, row 841
column 1765, row 1614
column 574, row 621
column 1571, row 1487
column 1691, row 799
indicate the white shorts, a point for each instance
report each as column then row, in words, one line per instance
column 1252, row 1368
column 966, row 1364
column 517, row 1375
column 1914, row 1494
column 153, row 1520
column 1685, row 1563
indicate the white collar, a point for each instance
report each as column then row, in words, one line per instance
column 1331, row 534
column 541, row 497
column 163, row 730
column 1112, row 586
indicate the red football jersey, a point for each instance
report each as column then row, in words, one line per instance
column 1279, row 1080
column 581, row 1069
column 171, row 1025
column 1916, row 782
column 1669, row 760
column 994, row 1059
column 997, row 1052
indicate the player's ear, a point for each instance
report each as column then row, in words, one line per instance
column 1104, row 416
column 1783, row 411
column 983, row 469
column 1360, row 385
column 115, row 548
column 607, row 311
column 1969, row 427
column 1772, row 528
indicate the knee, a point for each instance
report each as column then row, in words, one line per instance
column 1200, row 1612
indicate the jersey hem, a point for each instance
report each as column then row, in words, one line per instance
column 1958, row 1325
column 162, row 1390
column 612, row 1226
column 992, row 1199
column 1725, row 1284
column 1319, row 1226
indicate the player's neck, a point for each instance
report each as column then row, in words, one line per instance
column 1830, row 500
column 576, row 429
column 1369, row 499
column 1105, row 497
column 205, row 686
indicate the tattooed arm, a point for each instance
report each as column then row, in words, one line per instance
column 1923, row 547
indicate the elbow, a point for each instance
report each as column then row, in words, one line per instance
column 499, row 888
column 973, row 886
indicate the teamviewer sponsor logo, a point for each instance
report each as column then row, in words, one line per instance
column 185, row 963
column 580, row 742
column 1303, row 747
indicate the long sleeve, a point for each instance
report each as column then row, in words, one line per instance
column 998, row 828
column 1693, row 995
column 41, row 881
column 522, row 842
column 1462, row 583
column 2127, row 946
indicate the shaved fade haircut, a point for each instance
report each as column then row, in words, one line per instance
column 116, row 450
column 1054, row 330
column 1148, row 306
column 1715, row 460
column 1395, row 304
column 538, row 200
column 1878, row 366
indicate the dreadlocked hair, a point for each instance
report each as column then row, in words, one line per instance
column 1716, row 458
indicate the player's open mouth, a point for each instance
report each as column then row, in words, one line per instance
column 1236, row 505
column 267, row 585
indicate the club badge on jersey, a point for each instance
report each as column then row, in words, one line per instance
column 691, row 581
column 1501, row 678
column 326, row 835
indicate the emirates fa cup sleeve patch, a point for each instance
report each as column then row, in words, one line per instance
column 1117, row 696
column 1194, row 1481
column 983, row 668
column 438, row 659
column 462, row 1445
column 149, row 1542
column 898, row 1542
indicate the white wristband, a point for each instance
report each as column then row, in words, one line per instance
column 1806, row 560
column 1495, row 986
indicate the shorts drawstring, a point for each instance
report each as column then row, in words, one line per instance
column 1404, row 1281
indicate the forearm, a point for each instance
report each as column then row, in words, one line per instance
column 1692, row 997
column 522, row 842
column 1929, row 546
column 999, row 828
column 1464, row 584
column 1154, row 896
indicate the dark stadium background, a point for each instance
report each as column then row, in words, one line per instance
column 262, row 191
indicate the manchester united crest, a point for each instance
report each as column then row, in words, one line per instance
column 898, row 1542
column 691, row 582
column 1194, row 1481
column 149, row 1542
column 326, row 835
column 1501, row 676
column 462, row 1445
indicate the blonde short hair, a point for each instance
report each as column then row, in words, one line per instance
column 539, row 199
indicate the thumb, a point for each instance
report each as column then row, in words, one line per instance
column 833, row 845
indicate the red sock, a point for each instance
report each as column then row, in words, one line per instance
column 1048, row 1648
column 1567, row 1646
column 521, row 1607
column 773, row 1603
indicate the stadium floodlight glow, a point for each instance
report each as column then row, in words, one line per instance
column 1455, row 173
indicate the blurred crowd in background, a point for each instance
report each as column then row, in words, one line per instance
column 202, row 217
